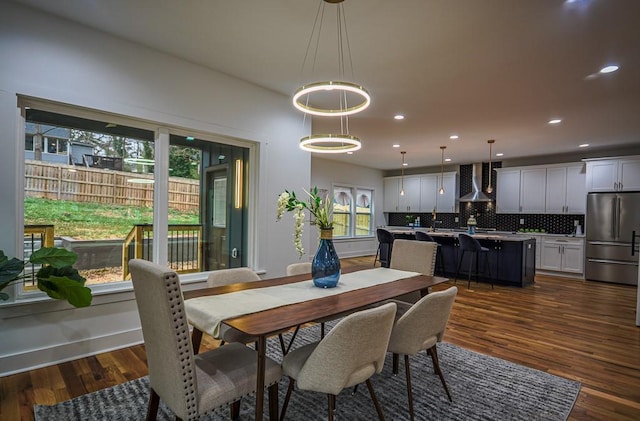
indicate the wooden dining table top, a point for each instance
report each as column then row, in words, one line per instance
column 282, row 318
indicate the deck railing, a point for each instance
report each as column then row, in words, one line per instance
column 35, row 237
column 186, row 247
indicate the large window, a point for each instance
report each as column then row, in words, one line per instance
column 352, row 211
column 99, row 200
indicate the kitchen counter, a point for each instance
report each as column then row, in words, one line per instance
column 511, row 255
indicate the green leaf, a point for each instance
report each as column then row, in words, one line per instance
column 63, row 288
column 11, row 269
column 56, row 257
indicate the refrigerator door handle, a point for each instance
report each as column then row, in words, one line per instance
column 633, row 243
column 608, row 243
column 615, row 262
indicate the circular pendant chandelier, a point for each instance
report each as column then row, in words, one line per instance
column 330, row 143
column 333, row 98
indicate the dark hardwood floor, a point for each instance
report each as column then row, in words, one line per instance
column 576, row 329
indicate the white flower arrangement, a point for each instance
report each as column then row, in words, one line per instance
column 320, row 209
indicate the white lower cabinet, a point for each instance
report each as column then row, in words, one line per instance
column 562, row 254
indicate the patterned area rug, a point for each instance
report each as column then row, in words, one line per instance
column 482, row 388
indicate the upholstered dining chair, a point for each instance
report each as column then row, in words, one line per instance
column 471, row 246
column 420, row 327
column 351, row 353
column 423, row 236
column 190, row 384
column 227, row 333
column 414, row 256
column 298, row 268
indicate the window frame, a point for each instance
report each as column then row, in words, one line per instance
column 354, row 211
column 161, row 178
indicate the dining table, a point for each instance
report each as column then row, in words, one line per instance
column 273, row 318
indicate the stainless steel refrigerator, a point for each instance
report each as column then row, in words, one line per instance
column 612, row 221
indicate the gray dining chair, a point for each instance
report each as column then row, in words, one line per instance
column 414, row 256
column 351, row 353
column 227, row 333
column 419, row 327
column 190, row 385
column 299, row 268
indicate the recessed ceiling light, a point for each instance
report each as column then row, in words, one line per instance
column 499, row 154
column 609, row 69
column 453, row 137
column 404, row 164
column 396, row 145
column 447, row 160
column 584, row 145
column 555, row 121
column 398, row 117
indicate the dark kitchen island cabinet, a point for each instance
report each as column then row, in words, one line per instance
column 512, row 261
column 512, row 257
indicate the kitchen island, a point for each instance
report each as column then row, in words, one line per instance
column 512, row 257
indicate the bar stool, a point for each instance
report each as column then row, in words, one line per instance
column 470, row 245
column 385, row 245
column 423, row 236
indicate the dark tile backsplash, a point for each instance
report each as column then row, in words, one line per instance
column 485, row 212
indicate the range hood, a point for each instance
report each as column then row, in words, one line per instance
column 476, row 194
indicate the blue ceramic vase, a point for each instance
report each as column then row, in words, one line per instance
column 325, row 267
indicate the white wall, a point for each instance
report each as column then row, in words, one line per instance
column 56, row 60
column 325, row 173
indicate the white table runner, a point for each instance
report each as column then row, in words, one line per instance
column 207, row 313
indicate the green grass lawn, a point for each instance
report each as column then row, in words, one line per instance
column 94, row 221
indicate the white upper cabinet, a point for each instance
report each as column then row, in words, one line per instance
column 429, row 186
column 420, row 193
column 447, row 202
column 532, row 190
column 616, row 174
column 551, row 189
column 391, row 194
column 410, row 201
column 508, row 191
column 566, row 190
column 394, row 201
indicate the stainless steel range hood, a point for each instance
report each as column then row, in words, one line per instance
column 476, row 194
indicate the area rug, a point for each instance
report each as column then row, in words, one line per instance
column 482, row 388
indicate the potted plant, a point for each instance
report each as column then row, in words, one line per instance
column 56, row 276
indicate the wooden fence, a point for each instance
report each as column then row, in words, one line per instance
column 81, row 184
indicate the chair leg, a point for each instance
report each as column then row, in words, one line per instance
column 331, row 404
column 395, row 364
column 322, row 330
column 489, row 268
column 196, row 340
column 433, row 351
column 458, row 269
column 286, row 398
column 234, row 409
column 377, row 253
column 470, row 265
column 375, row 400
column 273, row 401
column 154, row 401
column 407, row 370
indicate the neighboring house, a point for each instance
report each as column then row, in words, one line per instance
column 55, row 146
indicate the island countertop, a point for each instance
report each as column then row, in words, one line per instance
column 491, row 235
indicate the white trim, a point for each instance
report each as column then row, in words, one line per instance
column 47, row 356
column 161, row 196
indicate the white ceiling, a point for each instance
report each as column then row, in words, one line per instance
column 482, row 69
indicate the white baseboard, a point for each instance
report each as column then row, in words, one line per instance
column 43, row 357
